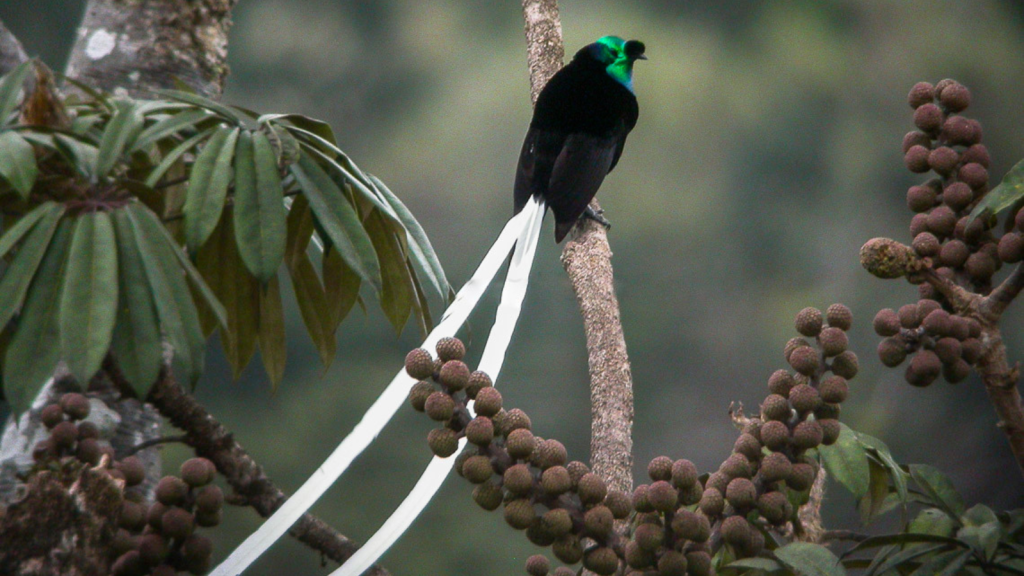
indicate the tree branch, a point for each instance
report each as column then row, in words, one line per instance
column 999, row 299
column 11, row 52
column 137, row 47
column 587, row 260
column 211, row 440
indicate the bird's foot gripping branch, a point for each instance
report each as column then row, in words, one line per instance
column 681, row 523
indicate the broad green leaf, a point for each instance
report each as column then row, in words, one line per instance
column 944, row 564
column 1004, row 195
column 136, row 343
column 80, row 155
column 15, row 233
column 847, row 462
column 338, row 218
column 159, row 107
column 983, row 539
column 236, row 289
column 119, row 133
column 217, row 108
column 299, row 230
column 810, row 559
column 938, row 488
column 259, row 211
column 901, row 558
column 17, row 278
column 88, row 302
column 177, row 313
column 174, row 155
column 273, row 348
column 870, row 505
column 168, row 126
column 34, row 350
column 10, row 88
column 313, row 306
column 285, row 146
column 342, row 286
column 208, row 187
column 903, row 540
column 766, row 565
column 156, row 226
column 398, row 294
column 879, row 449
column 933, row 521
column 318, row 127
column 419, row 245
column 979, row 515
column 17, row 162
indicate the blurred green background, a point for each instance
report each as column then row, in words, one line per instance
column 767, row 153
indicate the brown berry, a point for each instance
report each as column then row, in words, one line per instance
column 419, row 364
column 198, row 472
column 488, row 402
column 449, row 348
column 443, row 442
column 75, row 405
column 921, row 93
column 809, row 321
column 454, row 374
column 52, row 415
column 928, row 117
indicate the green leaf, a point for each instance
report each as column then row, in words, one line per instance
column 764, row 564
column 878, row 449
column 88, row 303
column 154, row 223
column 259, row 211
column 419, row 245
column 342, row 286
column 938, row 488
column 168, row 126
column 178, row 317
column 339, row 219
column 285, row 146
column 18, row 162
column 309, row 294
column 136, row 343
column 318, row 127
column 17, row 278
column 34, row 350
column 119, row 133
column 933, row 521
column 196, row 100
column 208, row 187
column 903, row 540
column 10, row 88
column 299, row 230
column 902, row 558
column 398, row 295
column 945, row 564
column 979, row 515
column 810, row 559
column 1009, row 191
column 273, row 347
column 983, row 539
column 847, row 462
column 871, row 504
column 174, row 155
column 15, row 233
column 80, row 155
column 222, row 267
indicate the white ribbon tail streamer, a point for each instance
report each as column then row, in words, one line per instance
column 494, row 354
column 380, row 412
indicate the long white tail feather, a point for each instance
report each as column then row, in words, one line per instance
column 512, row 295
column 382, row 410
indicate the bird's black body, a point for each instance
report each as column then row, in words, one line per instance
column 579, row 128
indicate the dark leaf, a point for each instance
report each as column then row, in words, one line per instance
column 177, row 313
column 88, row 303
column 136, row 343
column 259, row 210
column 944, row 564
column 313, row 306
column 766, row 565
column 983, row 539
column 979, row 515
column 1009, row 191
column 397, row 295
column 299, row 230
column 17, row 278
column 871, row 504
column 217, row 108
column 208, row 187
column 273, row 348
column 167, row 127
column 174, row 155
column 285, row 146
column 17, row 162
column 938, row 488
column 810, row 559
column 902, row 558
column 119, row 133
column 341, row 284
column 878, row 449
column 34, row 350
column 902, row 540
column 847, row 462
column 10, row 89
column 80, row 155
column 339, row 219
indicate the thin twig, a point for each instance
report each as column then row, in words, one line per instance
column 843, row 536
column 999, row 299
column 155, row 442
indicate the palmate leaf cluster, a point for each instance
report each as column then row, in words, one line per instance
column 97, row 210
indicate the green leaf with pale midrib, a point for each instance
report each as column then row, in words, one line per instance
column 15, row 282
column 118, row 134
column 1004, row 195
column 208, row 187
column 168, row 126
column 846, row 460
column 10, row 87
column 258, row 209
column 196, row 100
column 88, row 304
column 174, row 155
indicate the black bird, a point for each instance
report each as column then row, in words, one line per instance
column 578, row 130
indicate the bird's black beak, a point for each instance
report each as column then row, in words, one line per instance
column 641, row 57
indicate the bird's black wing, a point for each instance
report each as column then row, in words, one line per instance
column 536, row 161
column 576, row 175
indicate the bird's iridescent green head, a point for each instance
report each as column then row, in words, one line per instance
column 618, row 56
